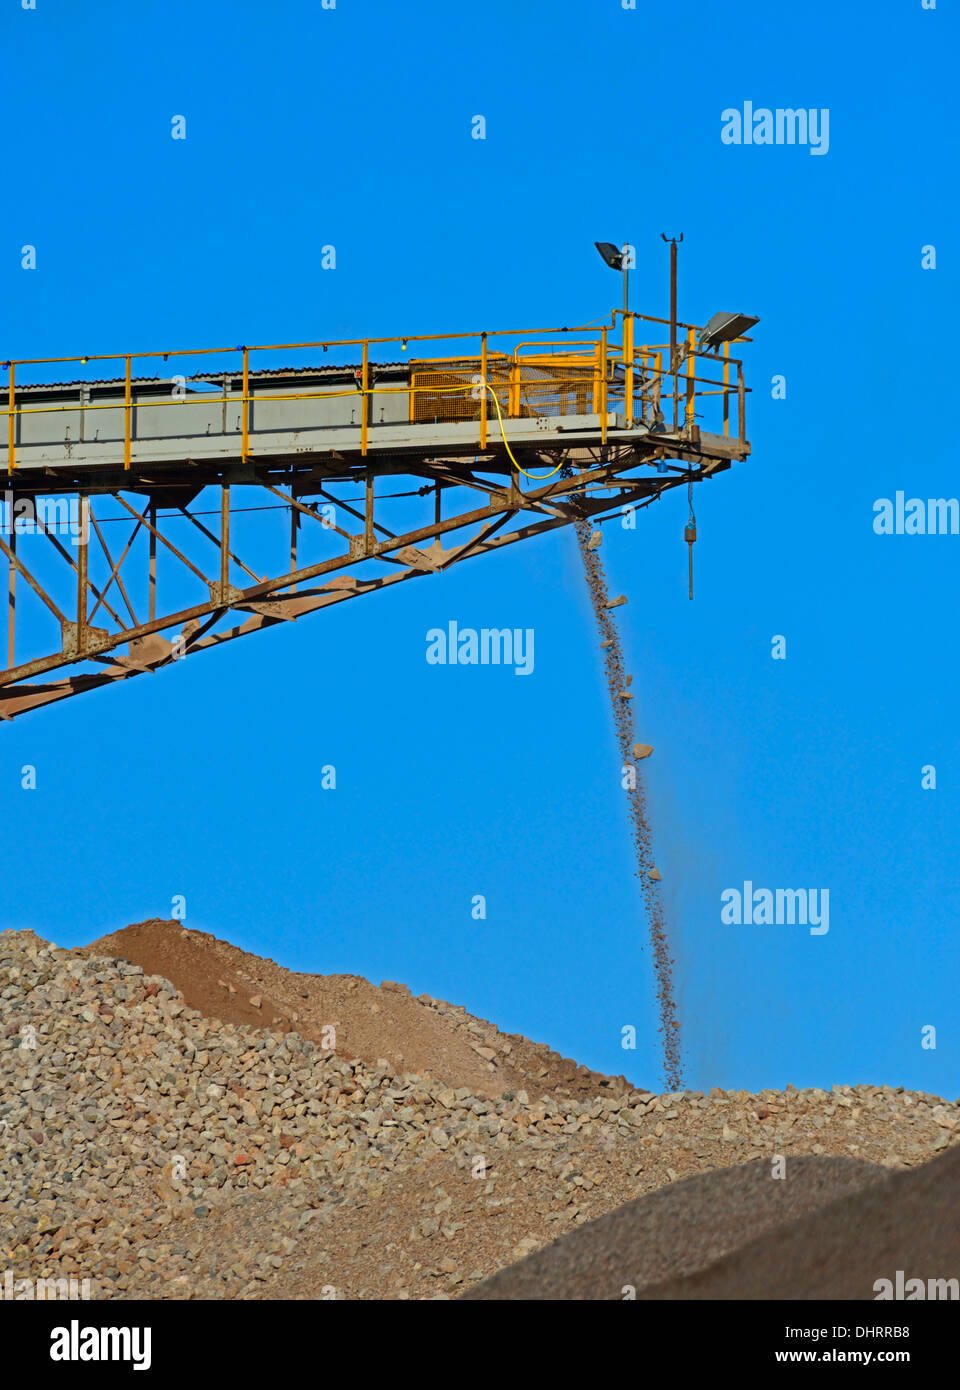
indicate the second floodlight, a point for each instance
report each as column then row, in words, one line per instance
column 724, row 328
column 611, row 254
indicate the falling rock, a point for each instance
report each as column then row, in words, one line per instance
column 654, row 873
column 607, row 643
column 624, row 695
column 594, row 542
column 642, row 750
column 617, row 602
column 256, row 1000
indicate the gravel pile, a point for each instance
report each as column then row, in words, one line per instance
column 679, row 1230
column 902, row 1232
column 158, row 1152
column 827, row 1229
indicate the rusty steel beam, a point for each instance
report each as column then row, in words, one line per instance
column 603, row 479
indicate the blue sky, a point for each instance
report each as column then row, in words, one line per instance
column 352, row 127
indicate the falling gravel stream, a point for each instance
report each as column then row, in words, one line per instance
column 618, row 683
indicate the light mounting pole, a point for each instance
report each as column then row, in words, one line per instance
column 673, row 242
column 617, row 259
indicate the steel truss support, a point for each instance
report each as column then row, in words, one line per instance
column 107, row 596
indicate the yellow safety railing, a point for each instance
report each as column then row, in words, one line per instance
column 577, row 370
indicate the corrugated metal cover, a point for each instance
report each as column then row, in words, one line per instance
column 270, row 373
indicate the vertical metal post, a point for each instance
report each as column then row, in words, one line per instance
column 726, row 388
column 674, row 366
column 673, row 302
column 628, row 366
column 152, row 565
column 245, row 404
column 368, row 512
column 224, row 540
column 742, row 401
column 673, row 330
column 12, row 596
column 127, row 432
column 483, row 390
column 11, row 424
column 603, row 385
column 364, row 382
column 82, row 573
column 294, row 535
column 691, row 370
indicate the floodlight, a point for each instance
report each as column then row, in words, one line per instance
column 611, row 254
column 724, row 328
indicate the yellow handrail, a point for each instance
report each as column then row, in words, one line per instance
column 326, row 394
column 554, row 349
column 324, row 343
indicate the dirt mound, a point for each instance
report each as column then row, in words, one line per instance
column 369, row 1022
column 679, row 1230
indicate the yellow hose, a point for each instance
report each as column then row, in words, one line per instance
column 534, row 477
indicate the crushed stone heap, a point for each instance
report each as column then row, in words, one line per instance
column 161, row 1153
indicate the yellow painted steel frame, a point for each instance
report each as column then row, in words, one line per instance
column 726, row 388
column 245, row 404
column 364, row 406
column 691, row 352
column 628, row 366
column 11, row 422
column 127, row 397
column 483, row 391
